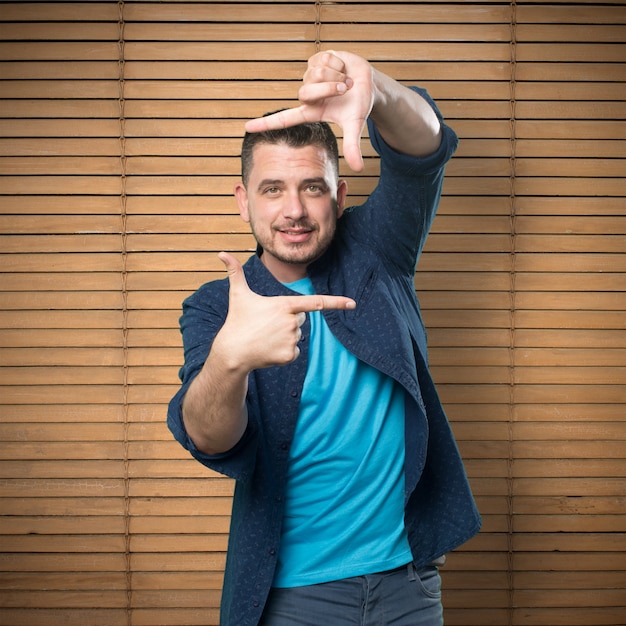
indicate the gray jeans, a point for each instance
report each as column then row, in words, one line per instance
column 401, row 597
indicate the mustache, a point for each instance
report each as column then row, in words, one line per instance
column 301, row 224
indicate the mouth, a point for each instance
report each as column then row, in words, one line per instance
column 295, row 235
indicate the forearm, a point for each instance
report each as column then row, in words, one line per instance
column 214, row 407
column 405, row 120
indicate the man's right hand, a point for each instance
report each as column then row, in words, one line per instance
column 262, row 331
column 258, row 332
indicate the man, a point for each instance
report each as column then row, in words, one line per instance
column 306, row 375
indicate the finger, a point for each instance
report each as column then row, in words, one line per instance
column 236, row 277
column 327, row 58
column 303, row 304
column 276, row 121
column 352, row 131
column 323, row 74
column 300, row 318
column 312, row 93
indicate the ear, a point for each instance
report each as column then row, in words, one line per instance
column 342, row 194
column 241, row 195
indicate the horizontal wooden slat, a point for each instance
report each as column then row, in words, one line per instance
column 177, row 525
column 60, row 128
column 220, row 12
column 64, row 525
column 568, row 71
column 214, row 505
column 66, row 205
column 79, row 31
column 307, row 31
column 89, row 356
column 63, row 580
column 44, row 51
column 59, row 69
column 48, row 12
column 577, row 412
column 552, row 13
column 59, row 600
column 570, row 52
column 61, row 469
column 64, row 375
column 179, row 580
column 61, row 432
column 71, row 617
column 64, row 338
column 606, row 33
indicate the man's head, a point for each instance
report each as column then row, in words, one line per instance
column 314, row 134
column 291, row 195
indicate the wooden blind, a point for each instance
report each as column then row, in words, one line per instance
column 120, row 133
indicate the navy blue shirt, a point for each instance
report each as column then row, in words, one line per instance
column 372, row 259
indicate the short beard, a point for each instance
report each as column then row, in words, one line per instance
column 307, row 259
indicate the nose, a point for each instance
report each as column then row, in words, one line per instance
column 294, row 207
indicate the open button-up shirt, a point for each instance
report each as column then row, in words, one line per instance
column 372, row 260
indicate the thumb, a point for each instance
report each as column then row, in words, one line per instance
column 236, row 277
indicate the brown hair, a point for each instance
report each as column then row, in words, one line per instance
column 315, row 133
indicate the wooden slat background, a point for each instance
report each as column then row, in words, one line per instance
column 120, row 128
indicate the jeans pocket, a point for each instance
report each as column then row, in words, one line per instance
column 428, row 581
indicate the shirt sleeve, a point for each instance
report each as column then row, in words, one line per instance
column 203, row 315
column 397, row 217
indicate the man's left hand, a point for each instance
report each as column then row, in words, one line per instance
column 338, row 87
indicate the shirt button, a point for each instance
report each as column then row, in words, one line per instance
column 294, row 394
column 255, row 603
column 272, row 552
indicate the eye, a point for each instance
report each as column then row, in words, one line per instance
column 271, row 191
column 315, row 189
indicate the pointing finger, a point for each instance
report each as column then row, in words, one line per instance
column 276, row 121
column 303, row 304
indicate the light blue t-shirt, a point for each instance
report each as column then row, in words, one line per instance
column 344, row 512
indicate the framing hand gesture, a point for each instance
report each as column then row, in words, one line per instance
column 338, row 87
column 263, row 331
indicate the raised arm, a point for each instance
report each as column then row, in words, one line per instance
column 345, row 89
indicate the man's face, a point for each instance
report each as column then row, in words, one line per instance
column 292, row 202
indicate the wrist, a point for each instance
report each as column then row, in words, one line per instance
column 226, row 356
column 380, row 95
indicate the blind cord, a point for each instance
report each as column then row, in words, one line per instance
column 512, row 319
column 124, row 280
column 318, row 25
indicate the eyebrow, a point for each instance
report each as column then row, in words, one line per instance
column 269, row 181
column 319, row 180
